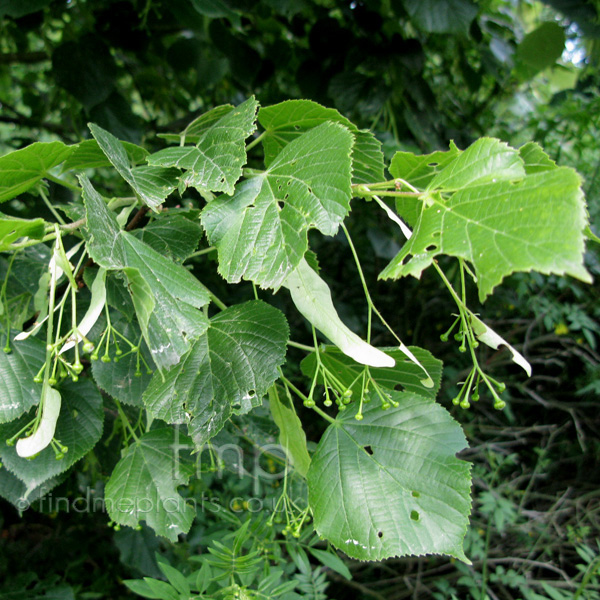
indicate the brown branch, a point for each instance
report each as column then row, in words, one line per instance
column 356, row 585
column 27, row 122
column 532, row 563
column 139, row 215
column 23, row 57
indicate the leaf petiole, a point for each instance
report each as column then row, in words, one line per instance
column 255, row 141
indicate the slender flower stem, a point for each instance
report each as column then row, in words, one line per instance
column 4, row 301
column 363, row 282
column 298, row 393
column 324, row 414
column 49, row 347
column 50, row 206
column 454, row 295
column 366, row 290
column 125, row 420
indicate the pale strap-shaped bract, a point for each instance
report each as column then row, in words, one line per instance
column 489, row 337
column 42, row 436
column 312, row 298
column 394, row 217
column 57, row 266
column 93, row 312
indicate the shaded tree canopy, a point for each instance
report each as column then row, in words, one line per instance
column 423, row 76
column 422, row 71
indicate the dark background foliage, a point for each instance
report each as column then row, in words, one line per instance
column 419, row 73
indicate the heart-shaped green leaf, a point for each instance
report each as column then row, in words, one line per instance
column 228, row 369
column 390, row 484
column 143, row 485
column 261, row 231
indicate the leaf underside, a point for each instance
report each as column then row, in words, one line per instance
column 390, row 485
column 22, row 169
column 501, row 211
column 152, row 184
column 143, row 485
column 215, row 163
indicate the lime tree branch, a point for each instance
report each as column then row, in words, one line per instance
column 67, row 228
column 392, row 188
column 364, row 192
column 24, row 121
